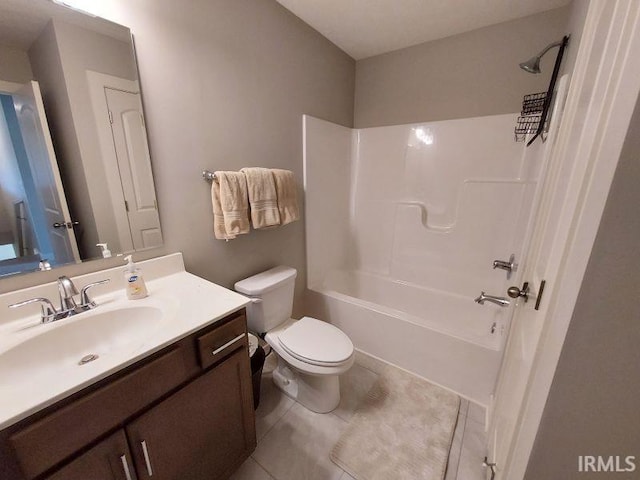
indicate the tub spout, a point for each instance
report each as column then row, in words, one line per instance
column 501, row 301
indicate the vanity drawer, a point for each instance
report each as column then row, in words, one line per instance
column 41, row 445
column 221, row 341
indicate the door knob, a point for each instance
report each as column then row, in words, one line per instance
column 515, row 292
column 68, row 225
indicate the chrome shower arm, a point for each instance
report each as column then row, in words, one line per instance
column 549, row 47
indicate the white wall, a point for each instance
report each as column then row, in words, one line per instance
column 432, row 204
column 327, row 178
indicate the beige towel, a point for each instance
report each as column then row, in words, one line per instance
column 219, row 231
column 287, row 196
column 262, row 197
column 234, row 203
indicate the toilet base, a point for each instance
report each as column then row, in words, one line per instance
column 318, row 393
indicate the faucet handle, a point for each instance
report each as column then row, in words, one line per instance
column 47, row 313
column 84, row 297
column 508, row 265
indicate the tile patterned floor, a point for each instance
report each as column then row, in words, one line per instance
column 294, row 443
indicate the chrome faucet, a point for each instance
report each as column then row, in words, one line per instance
column 68, row 305
column 503, row 302
column 67, row 290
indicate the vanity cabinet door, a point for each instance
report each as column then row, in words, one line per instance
column 202, row 432
column 108, row 460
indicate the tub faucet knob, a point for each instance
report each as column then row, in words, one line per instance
column 508, row 265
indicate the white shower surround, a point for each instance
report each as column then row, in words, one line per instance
column 403, row 223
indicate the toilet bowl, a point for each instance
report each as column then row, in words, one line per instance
column 311, row 353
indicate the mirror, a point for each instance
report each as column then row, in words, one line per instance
column 75, row 169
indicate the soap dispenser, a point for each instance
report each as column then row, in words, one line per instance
column 134, row 283
column 106, row 253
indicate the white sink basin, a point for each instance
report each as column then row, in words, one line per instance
column 91, row 335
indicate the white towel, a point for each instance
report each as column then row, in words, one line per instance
column 262, row 197
column 287, row 196
column 234, row 202
column 219, row 231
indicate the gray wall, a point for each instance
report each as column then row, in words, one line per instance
column 14, row 65
column 48, row 68
column 225, row 84
column 467, row 75
column 592, row 408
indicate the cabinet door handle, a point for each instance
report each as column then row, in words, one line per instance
column 146, row 457
column 230, row 342
column 125, row 467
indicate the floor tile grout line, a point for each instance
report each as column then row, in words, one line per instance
column 338, row 417
column 263, row 467
column 280, row 419
column 277, row 420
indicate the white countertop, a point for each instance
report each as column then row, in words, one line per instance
column 188, row 303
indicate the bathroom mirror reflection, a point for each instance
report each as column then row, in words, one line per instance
column 75, row 168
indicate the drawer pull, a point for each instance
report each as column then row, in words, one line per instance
column 230, row 342
column 147, row 460
column 125, row 467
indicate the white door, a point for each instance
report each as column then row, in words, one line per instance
column 45, row 173
column 527, row 322
column 575, row 191
column 134, row 164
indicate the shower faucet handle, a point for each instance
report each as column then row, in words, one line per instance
column 508, row 265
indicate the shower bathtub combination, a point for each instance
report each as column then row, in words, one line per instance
column 403, row 225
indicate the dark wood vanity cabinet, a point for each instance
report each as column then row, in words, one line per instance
column 108, row 460
column 186, row 413
column 174, row 440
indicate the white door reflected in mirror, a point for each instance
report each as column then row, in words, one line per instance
column 35, row 195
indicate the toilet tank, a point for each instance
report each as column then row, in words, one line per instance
column 272, row 297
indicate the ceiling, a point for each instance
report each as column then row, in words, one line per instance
column 22, row 21
column 364, row 28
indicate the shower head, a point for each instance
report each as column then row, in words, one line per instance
column 533, row 64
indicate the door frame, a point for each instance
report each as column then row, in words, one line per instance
column 597, row 116
column 97, row 83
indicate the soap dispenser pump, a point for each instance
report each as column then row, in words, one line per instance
column 106, row 253
column 134, row 283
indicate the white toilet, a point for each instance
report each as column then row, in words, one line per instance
column 311, row 353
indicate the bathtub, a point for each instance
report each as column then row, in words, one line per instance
column 443, row 337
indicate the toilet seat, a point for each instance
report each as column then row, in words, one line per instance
column 316, row 342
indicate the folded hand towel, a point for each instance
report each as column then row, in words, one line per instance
column 287, row 196
column 219, row 231
column 234, row 203
column 262, row 197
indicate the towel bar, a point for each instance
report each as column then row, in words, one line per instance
column 208, row 176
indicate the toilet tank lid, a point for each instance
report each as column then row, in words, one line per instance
column 266, row 281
